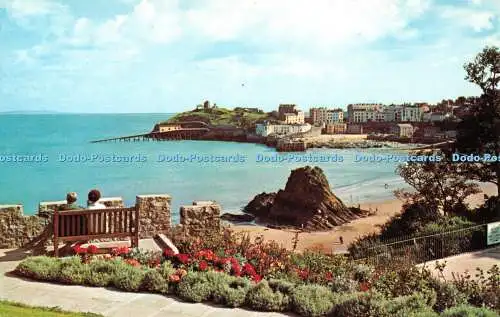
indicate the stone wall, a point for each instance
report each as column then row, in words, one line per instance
column 154, row 211
column 16, row 229
column 200, row 217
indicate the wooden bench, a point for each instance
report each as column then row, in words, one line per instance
column 86, row 225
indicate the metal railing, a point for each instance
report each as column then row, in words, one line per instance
column 422, row 248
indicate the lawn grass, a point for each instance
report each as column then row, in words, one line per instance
column 10, row 309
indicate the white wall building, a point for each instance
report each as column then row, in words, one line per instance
column 266, row 129
column 294, row 118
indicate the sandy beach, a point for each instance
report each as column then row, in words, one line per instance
column 328, row 241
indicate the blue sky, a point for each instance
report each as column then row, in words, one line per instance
column 169, row 55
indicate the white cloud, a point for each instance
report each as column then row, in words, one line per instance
column 475, row 19
column 326, row 23
column 26, row 8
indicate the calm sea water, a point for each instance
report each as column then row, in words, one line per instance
column 231, row 184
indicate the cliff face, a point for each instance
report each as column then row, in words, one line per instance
column 307, row 201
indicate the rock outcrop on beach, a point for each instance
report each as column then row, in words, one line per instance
column 306, row 202
column 237, row 217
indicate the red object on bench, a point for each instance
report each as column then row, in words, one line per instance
column 86, row 225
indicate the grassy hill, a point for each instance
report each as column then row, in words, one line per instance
column 238, row 117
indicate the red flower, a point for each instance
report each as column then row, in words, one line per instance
column 207, row 255
column 364, row 286
column 133, row 262
column 79, row 250
column 120, row 251
column 203, row 266
column 248, row 269
column 256, row 278
column 174, row 278
column 182, row 258
column 329, row 276
column 303, row 274
column 92, row 249
column 168, row 253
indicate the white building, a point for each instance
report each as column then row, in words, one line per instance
column 408, row 113
column 266, row 129
column 364, row 112
column 294, row 117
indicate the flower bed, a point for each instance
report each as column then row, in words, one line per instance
column 262, row 276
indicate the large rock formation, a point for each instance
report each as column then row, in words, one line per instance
column 306, row 202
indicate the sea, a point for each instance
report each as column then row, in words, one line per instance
column 44, row 156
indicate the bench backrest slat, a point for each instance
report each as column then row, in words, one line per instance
column 94, row 222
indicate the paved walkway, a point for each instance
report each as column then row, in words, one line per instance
column 101, row 300
column 484, row 259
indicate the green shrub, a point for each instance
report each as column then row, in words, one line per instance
column 447, row 295
column 145, row 257
column 429, row 313
column 282, row 286
column 403, row 282
column 102, row 272
column 361, row 305
column 263, row 297
column 73, row 271
column 343, row 285
column 312, row 300
column 40, row 267
column 167, row 269
column 128, row 278
column 417, row 303
column 468, row 311
column 194, row 287
column 154, row 282
column 362, row 272
column 232, row 292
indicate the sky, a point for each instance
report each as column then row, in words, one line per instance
column 117, row 56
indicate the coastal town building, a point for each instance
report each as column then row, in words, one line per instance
column 322, row 115
column 361, row 113
column 434, row 116
column 166, row 127
column 336, row 128
column 265, row 129
column 287, row 108
column 402, row 130
column 358, row 113
column 290, row 114
column 294, row 117
column 408, row 113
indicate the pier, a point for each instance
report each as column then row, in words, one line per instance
column 179, row 134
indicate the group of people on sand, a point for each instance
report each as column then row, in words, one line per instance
column 92, row 201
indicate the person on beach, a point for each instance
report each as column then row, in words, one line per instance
column 93, row 200
column 71, row 204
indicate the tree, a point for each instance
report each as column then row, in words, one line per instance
column 479, row 130
column 441, row 185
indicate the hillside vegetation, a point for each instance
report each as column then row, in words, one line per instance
column 238, row 117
